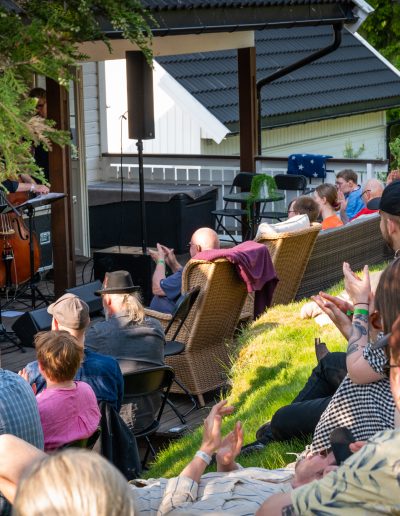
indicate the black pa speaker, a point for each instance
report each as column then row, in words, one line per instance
column 87, row 293
column 139, row 80
column 139, row 266
column 30, row 323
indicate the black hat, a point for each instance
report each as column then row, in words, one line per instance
column 390, row 200
column 117, row 282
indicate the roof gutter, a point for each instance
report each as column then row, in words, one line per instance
column 337, row 28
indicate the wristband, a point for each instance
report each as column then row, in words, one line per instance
column 203, row 456
column 160, row 261
column 360, row 311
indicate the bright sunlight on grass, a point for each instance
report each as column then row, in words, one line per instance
column 275, row 357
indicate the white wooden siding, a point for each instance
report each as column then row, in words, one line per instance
column 91, row 117
column 324, row 137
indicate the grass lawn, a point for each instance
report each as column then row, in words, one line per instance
column 275, row 357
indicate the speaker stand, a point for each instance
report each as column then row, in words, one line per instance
column 31, row 284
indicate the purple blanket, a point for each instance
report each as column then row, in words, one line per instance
column 254, row 264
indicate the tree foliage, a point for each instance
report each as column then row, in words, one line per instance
column 40, row 37
column 381, row 29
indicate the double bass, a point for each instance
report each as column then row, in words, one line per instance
column 14, row 245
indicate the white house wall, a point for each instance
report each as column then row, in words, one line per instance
column 324, row 137
column 92, row 120
column 179, row 121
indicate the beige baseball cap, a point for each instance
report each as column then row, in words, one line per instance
column 70, row 311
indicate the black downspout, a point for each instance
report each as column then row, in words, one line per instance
column 337, row 27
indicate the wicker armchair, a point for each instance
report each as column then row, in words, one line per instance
column 209, row 328
column 290, row 253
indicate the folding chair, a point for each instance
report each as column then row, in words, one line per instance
column 174, row 347
column 309, row 165
column 286, row 182
column 142, row 384
column 243, row 182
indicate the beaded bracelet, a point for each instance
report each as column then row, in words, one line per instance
column 360, row 311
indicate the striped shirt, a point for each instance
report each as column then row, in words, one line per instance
column 240, row 492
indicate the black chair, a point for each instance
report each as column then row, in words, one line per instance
column 87, row 442
column 286, row 182
column 143, row 384
column 243, row 182
column 174, row 347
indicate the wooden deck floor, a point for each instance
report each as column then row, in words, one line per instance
column 14, row 359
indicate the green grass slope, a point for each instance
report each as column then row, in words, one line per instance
column 275, row 357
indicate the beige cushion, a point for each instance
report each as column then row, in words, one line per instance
column 288, row 226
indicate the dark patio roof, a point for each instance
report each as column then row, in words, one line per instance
column 351, row 80
column 196, row 16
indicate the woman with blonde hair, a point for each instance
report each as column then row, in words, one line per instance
column 326, row 197
column 73, row 481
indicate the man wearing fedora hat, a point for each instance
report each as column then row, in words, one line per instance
column 136, row 341
column 101, row 372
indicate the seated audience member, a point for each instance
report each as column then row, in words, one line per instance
column 167, row 290
column 68, row 409
column 136, row 341
column 368, row 481
column 330, row 399
column 304, row 205
column 19, row 416
column 372, row 189
column 349, row 193
column 363, row 401
column 69, row 482
column 394, row 175
column 101, row 372
column 82, row 474
column 326, row 197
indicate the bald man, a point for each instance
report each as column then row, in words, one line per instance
column 372, row 189
column 167, row 290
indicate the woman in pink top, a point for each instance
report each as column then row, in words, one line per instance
column 68, row 409
column 327, row 199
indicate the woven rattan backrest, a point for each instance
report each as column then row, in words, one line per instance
column 216, row 312
column 290, row 253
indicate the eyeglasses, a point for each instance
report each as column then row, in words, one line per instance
column 364, row 192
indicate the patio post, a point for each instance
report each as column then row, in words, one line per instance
column 60, row 179
column 247, row 76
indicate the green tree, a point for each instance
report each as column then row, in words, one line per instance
column 381, row 29
column 40, row 37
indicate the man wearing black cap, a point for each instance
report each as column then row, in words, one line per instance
column 389, row 209
column 136, row 341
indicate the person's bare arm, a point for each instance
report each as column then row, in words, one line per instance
column 359, row 290
column 212, row 439
column 277, row 505
column 15, row 456
column 159, row 272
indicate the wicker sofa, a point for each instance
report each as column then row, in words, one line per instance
column 357, row 243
